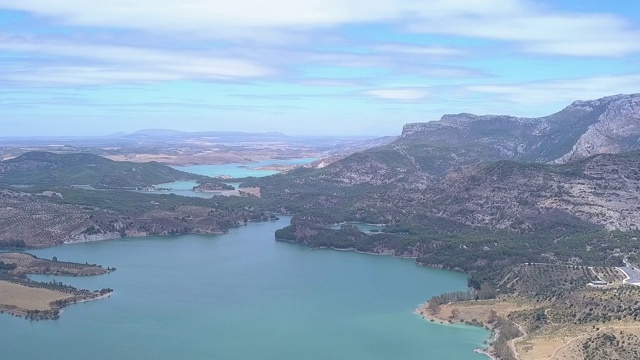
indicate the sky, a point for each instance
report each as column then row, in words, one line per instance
column 312, row 67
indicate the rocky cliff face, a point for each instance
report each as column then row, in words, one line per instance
column 494, row 171
column 432, row 149
column 584, row 128
column 617, row 129
column 603, row 190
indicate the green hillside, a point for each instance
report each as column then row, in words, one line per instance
column 45, row 168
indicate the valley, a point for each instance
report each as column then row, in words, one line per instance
column 509, row 201
column 320, row 180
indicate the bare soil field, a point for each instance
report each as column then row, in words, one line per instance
column 21, row 297
column 478, row 310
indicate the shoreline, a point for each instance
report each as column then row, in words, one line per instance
column 82, row 241
column 421, row 309
column 358, row 222
column 100, row 297
column 488, row 350
column 366, row 252
column 116, row 236
column 54, row 312
column 358, row 252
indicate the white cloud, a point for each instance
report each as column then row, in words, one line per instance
column 330, row 83
column 84, row 75
column 398, row 94
column 547, row 33
column 559, row 91
column 96, row 63
column 535, row 29
column 205, row 14
column 432, row 51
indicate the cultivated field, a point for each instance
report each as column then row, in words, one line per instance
column 27, row 298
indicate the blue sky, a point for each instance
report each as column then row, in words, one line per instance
column 323, row 67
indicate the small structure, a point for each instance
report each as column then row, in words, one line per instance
column 598, row 283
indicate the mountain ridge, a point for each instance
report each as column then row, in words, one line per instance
column 579, row 130
column 429, row 170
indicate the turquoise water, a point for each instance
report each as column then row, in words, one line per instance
column 182, row 188
column 364, row 227
column 241, row 170
column 243, row 295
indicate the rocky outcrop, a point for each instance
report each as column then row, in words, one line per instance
column 603, row 190
column 584, row 128
column 616, row 130
column 431, row 149
column 494, row 171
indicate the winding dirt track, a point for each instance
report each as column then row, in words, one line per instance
column 512, row 343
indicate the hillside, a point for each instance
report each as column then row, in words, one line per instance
column 431, row 149
column 480, row 218
column 45, row 168
column 582, row 129
column 488, row 171
column 603, row 190
column 30, row 219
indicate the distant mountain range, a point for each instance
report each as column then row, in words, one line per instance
column 334, row 145
column 584, row 128
column 226, row 136
column 163, row 135
column 207, row 147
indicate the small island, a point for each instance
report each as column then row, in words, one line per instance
column 212, row 187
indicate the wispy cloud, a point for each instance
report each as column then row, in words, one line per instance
column 376, row 63
column 331, row 83
column 532, row 28
column 99, row 63
column 560, row 91
column 535, row 31
column 427, row 51
column 398, row 94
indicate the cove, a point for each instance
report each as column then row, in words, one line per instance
column 243, row 295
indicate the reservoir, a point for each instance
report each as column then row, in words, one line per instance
column 242, row 170
column 184, row 188
column 243, row 295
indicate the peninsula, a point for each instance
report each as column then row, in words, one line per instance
column 33, row 300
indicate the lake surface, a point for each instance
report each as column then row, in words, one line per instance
column 184, row 188
column 242, row 295
column 241, row 170
column 364, row 227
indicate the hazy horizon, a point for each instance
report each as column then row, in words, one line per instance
column 318, row 67
column 127, row 133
